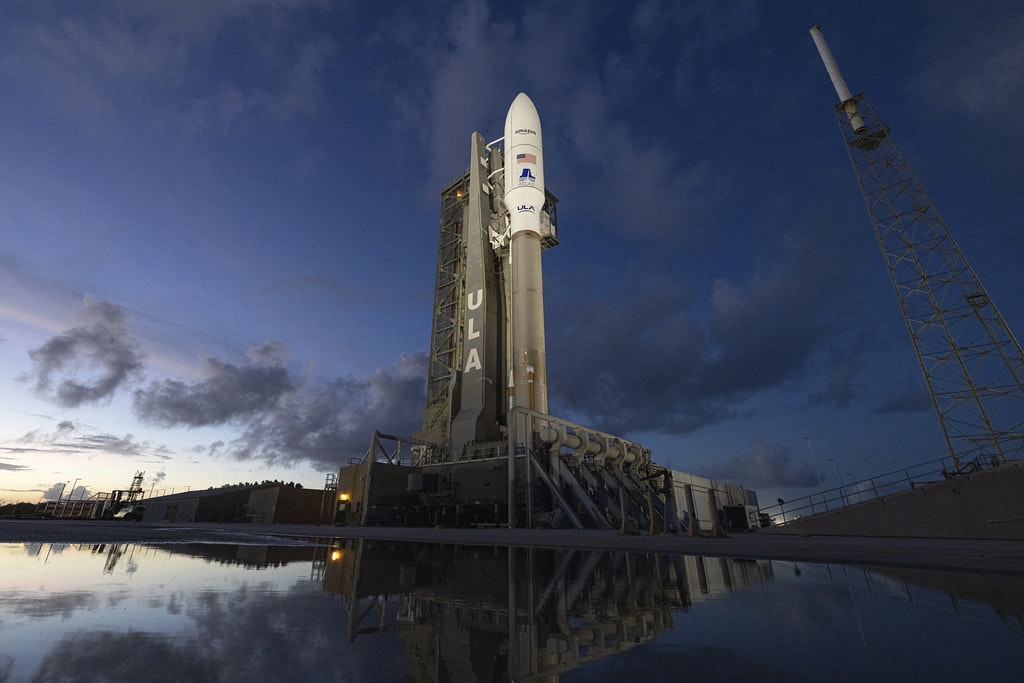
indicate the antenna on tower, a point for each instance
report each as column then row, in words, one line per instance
column 972, row 364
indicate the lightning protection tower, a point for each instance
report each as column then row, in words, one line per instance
column 972, row 364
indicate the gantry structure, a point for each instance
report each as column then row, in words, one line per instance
column 569, row 474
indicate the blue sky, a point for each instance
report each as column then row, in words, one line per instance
column 218, row 226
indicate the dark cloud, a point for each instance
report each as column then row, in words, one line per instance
column 630, row 361
column 286, row 420
column 328, row 426
column 12, row 466
column 108, row 443
column 913, row 399
column 442, row 89
column 88, row 363
column 765, row 329
column 846, row 365
column 645, row 358
column 228, row 393
column 676, row 199
column 978, row 75
column 765, row 465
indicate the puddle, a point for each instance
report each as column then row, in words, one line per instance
column 364, row 610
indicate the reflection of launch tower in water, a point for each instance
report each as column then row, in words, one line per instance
column 482, row 613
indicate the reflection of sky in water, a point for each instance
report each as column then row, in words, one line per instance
column 836, row 623
column 159, row 615
column 251, row 613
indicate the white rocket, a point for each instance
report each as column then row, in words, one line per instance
column 524, row 198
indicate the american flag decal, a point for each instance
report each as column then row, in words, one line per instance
column 526, row 158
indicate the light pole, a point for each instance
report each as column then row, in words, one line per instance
column 821, row 489
column 842, row 484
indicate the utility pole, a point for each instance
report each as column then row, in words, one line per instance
column 821, row 489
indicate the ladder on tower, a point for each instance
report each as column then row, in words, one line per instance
column 330, row 495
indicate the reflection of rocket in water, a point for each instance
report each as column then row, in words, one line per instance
column 524, row 197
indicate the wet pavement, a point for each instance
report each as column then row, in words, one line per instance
column 952, row 554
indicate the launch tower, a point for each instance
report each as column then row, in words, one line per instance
column 972, row 364
column 467, row 405
column 486, row 407
column 490, row 452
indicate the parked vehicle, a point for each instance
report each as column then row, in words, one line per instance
column 131, row 511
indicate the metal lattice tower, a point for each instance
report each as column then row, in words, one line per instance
column 449, row 313
column 972, row 364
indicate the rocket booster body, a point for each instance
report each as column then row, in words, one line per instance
column 524, row 198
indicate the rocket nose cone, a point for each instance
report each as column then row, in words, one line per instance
column 523, row 112
column 522, row 104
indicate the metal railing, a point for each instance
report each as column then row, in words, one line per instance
column 846, row 495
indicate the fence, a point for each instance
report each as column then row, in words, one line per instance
column 868, row 489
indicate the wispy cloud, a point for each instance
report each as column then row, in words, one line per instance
column 70, row 438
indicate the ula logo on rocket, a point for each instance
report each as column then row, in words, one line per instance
column 525, row 208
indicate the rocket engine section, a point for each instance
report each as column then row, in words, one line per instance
column 524, row 198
